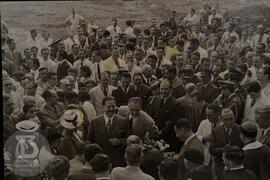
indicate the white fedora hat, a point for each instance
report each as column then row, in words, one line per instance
column 71, row 119
column 27, row 126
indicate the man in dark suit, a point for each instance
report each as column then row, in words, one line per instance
column 210, row 91
column 124, row 91
column 257, row 155
column 62, row 66
column 184, row 133
column 27, row 60
column 193, row 161
column 52, row 111
column 233, row 158
column 110, row 131
column 141, row 89
column 178, row 89
column 165, row 110
column 228, row 98
column 228, row 133
column 74, row 56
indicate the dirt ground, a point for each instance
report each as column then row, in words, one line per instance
column 23, row 16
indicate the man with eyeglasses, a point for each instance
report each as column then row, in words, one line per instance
column 228, row 133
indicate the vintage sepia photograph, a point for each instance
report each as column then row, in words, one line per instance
column 136, row 89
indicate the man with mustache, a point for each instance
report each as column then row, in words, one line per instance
column 110, row 131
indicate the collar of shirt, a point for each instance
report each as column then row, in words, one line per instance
column 124, row 89
column 165, row 99
column 228, row 130
column 83, row 61
column 130, row 116
column 231, row 96
column 107, row 119
column 145, row 79
column 188, row 139
column 219, row 123
column 133, row 168
column 237, row 168
column 102, row 178
column 266, row 130
column 102, row 88
column 253, row 145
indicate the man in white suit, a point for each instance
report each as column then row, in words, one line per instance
column 114, row 63
column 98, row 93
column 98, row 66
column 260, row 37
column 114, row 29
column 140, row 122
column 256, row 99
column 213, row 113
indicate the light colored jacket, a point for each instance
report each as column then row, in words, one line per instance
column 262, row 102
column 130, row 173
column 142, row 125
column 96, row 95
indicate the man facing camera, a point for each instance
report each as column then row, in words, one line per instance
column 110, row 131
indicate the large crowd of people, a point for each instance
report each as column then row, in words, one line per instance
column 187, row 98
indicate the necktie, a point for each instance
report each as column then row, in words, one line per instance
column 109, row 125
column 98, row 71
column 228, row 131
column 105, row 91
column 125, row 90
column 162, row 102
column 81, row 63
column 260, row 38
column 114, row 29
column 117, row 64
column 130, row 123
column 159, row 63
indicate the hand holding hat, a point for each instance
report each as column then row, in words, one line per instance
column 71, row 119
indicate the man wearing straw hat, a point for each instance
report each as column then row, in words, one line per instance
column 72, row 140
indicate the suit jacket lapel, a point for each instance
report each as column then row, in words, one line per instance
column 167, row 103
column 114, row 124
column 101, row 92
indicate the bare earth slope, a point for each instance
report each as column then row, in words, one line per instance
column 23, row 16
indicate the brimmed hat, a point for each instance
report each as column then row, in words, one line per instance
column 194, row 155
column 249, row 129
column 234, row 75
column 226, row 83
column 27, row 126
column 254, row 86
column 71, row 119
column 55, row 43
